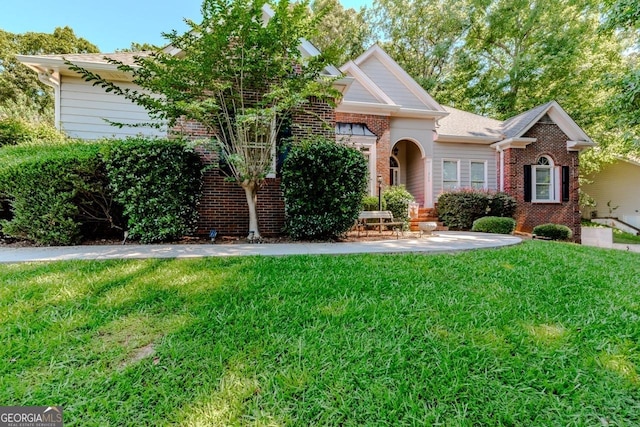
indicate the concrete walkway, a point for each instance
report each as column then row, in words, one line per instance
column 446, row 241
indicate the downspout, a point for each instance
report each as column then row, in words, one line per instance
column 501, row 151
column 51, row 78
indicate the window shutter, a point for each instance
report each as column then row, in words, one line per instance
column 527, row 183
column 565, row 183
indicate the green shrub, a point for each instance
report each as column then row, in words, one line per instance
column 501, row 205
column 398, row 199
column 553, row 231
column 53, row 190
column 370, row 203
column 323, row 184
column 158, row 183
column 15, row 131
column 494, row 224
column 459, row 209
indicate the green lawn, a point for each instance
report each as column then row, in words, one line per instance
column 620, row 236
column 539, row 334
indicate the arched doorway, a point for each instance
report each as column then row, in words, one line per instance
column 410, row 169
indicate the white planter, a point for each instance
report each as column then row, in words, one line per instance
column 427, row 228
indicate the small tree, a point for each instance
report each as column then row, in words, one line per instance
column 237, row 75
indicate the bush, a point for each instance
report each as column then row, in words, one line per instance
column 553, row 231
column 53, row 190
column 398, row 199
column 158, row 183
column 15, row 131
column 458, row 210
column 323, row 183
column 494, row 224
column 501, row 205
column 370, row 203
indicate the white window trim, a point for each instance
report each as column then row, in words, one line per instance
column 457, row 161
column 554, row 185
column 485, row 185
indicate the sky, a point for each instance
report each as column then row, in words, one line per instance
column 110, row 25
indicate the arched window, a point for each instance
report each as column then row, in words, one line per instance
column 544, row 180
column 394, row 167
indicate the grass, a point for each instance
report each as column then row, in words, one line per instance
column 623, row 237
column 542, row 334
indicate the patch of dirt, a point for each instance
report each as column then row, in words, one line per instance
column 140, row 353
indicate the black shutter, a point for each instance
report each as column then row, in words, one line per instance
column 527, row 183
column 565, row 183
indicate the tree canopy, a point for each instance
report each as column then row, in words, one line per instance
column 20, row 90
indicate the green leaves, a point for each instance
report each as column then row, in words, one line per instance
column 20, row 86
column 323, row 183
column 158, row 184
column 52, row 190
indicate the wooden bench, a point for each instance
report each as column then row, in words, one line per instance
column 383, row 219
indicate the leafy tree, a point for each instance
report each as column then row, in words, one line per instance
column 237, row 75
column 21, row 93
column 139, row 47
column 422, row 36
column 623, row 14
column 624, row 17
column 345, row 30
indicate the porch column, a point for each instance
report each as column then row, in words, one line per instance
column 428, row 184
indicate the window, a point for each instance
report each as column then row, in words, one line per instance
column 545, row 181
column 478, row 175
column 450, row 175
column 394, row 166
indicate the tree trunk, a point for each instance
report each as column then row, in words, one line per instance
column 251, row 191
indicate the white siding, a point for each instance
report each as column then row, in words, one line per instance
column 618, row 183
column 465, row 153
column 390, row 84
column 84, row 107
column 359, row 93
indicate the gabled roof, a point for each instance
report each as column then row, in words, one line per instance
column 517, row 126
column 381, row 86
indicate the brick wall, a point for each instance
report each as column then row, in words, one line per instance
column 552, row 142
column 380, row 126
column 223, row 205
column 316, row 118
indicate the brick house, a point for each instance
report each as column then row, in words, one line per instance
column 408, row 138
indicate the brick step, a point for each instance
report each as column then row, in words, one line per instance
column 426, row 215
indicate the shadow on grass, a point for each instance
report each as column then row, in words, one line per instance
column 511, row 336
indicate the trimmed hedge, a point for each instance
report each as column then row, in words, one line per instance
column 323, row 183
column 370, row 203
column 459, row 209
column 553, row 231
column 52, row 190
column 494, row 224
column 398, row 199
column 60, row 193
column 158, row 183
